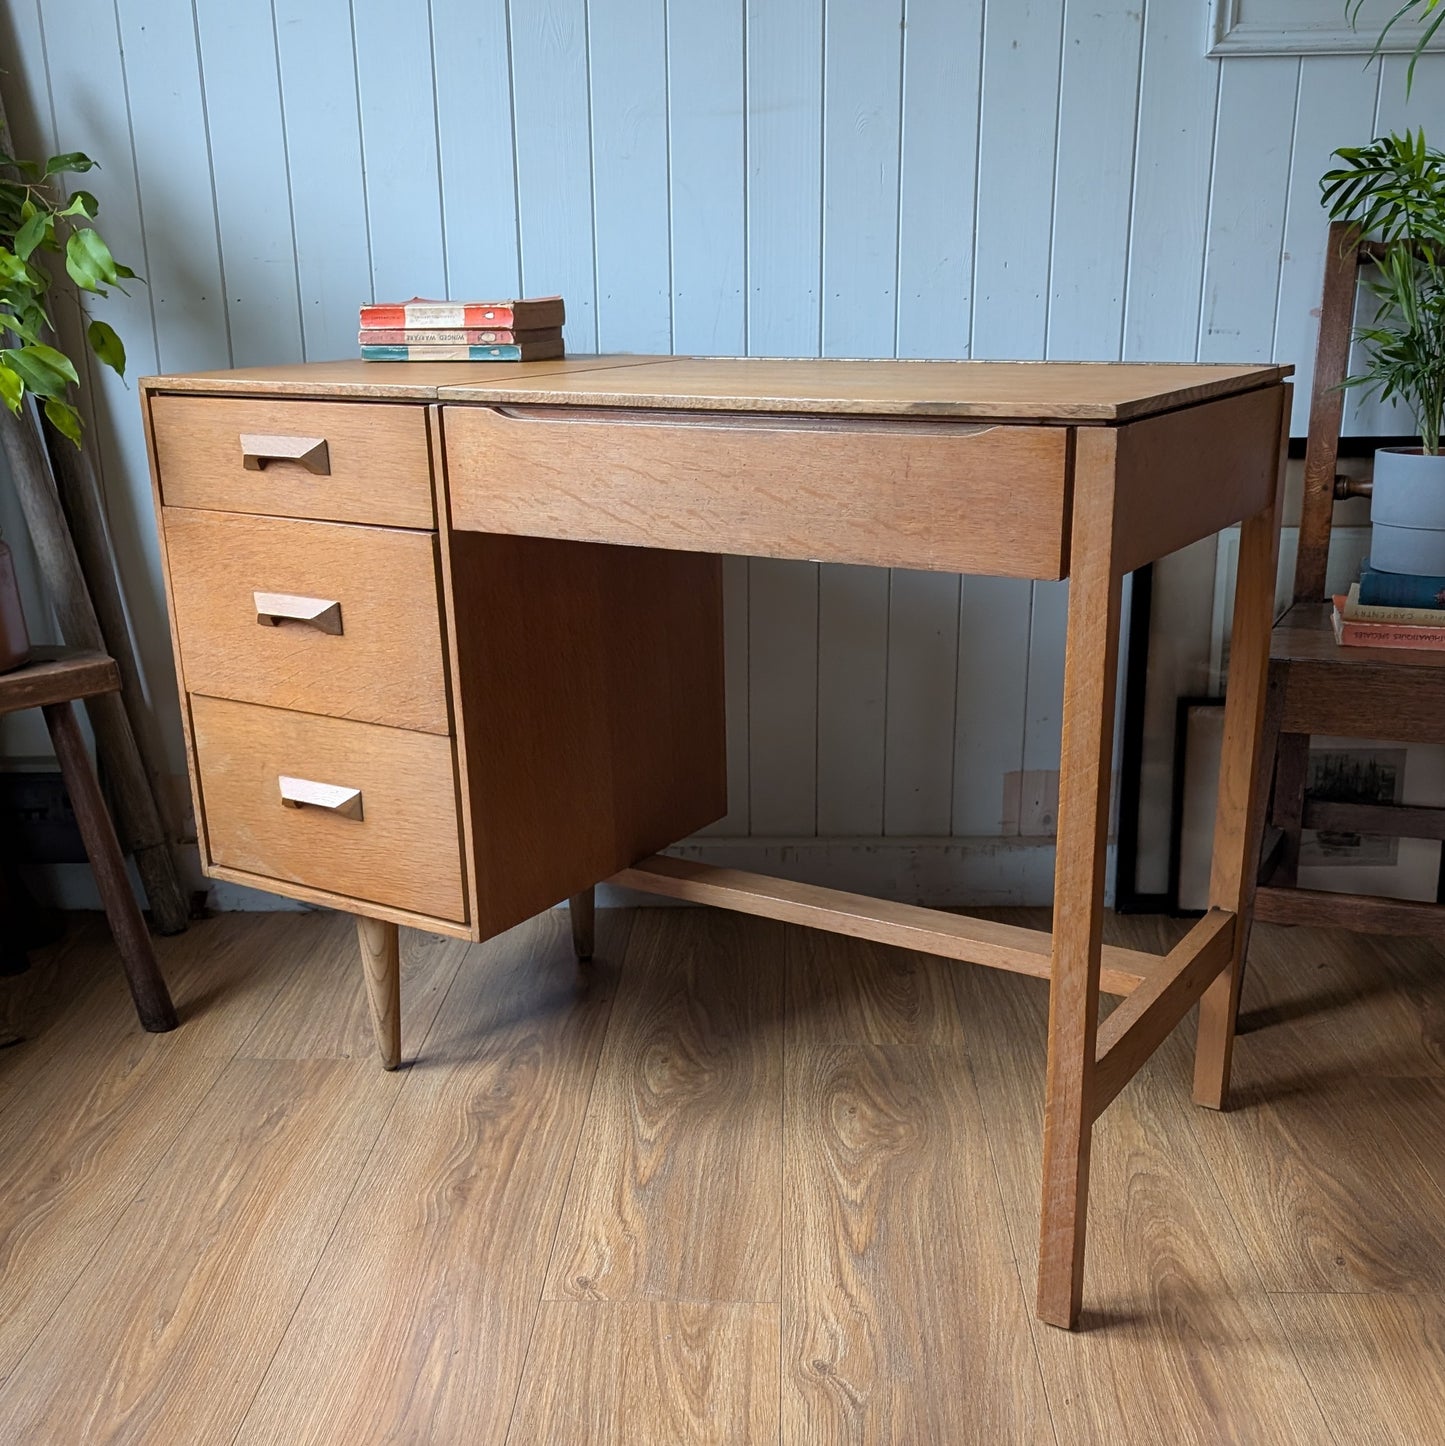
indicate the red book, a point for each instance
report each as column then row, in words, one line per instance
column 454, row 336
column 1383, row 635
column 529, row 314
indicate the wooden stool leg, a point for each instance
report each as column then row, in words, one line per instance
column 1291, row 778
column 583, row 909
column 1090, row 667
column 142, row 973
column 1244, row 769
column 381, row 963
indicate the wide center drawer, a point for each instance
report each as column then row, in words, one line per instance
column 352, row 808
column 943, row 495
column 341, row 461
column 315, row 616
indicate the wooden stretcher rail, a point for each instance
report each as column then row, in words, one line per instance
column 930, row 931
column 1139, row 1025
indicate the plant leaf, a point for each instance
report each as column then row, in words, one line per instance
column 11, row 388
column 31, row 234
column 70, row 161
column 64, row 418
column 107, row 346
column 88, row 260
column 82, row 203
column 43, row 369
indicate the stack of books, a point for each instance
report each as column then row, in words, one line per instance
column 422, row 330
column 1391, row 610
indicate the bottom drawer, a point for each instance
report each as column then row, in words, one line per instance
column 353, row 808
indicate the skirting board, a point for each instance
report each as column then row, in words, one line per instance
column 947, row 873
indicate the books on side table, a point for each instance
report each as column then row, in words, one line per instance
column 1382, row 625
column 529, row 329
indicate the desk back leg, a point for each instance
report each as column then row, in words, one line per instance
column 1245, row 762
column 1090, row 669
column 381, row 964
column 583, row 909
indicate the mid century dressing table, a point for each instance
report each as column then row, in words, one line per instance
column 489, row 667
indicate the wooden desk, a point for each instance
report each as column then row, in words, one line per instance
column 461, row 708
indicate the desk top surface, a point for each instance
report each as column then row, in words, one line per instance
column 1097, row 392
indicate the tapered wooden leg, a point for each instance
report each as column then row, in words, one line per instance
column 583, row 909
column 142, row 973
column 381, row 963
column 1090, row 668
column 1244, row 769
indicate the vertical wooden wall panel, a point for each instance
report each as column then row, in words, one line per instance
column 1021, row 67
column 328, row 190
column 551, row 100
column 862, row 79
column 706, row 131
column 473, row 65
column 628, row 48
column 397, row 88
column 938, row 170
column 1094, row 180
column 252, row 191
column 784, row 61
column 1252, row 145
column 1336, row 107
column 783, row 698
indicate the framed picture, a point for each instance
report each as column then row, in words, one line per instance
column 1309, row 27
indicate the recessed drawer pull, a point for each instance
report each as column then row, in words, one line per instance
column 258, row 448
column 304, row 793
column 274, row 608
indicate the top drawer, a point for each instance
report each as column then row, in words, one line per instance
column 940, row 495
column 335, row 461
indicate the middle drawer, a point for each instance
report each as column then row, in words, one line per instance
column 320, row 617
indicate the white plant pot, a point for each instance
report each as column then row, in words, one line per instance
column 1407, row 512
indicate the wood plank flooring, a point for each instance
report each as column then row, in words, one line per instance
column 735, row 1182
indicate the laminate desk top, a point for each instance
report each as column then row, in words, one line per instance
column 999, row 391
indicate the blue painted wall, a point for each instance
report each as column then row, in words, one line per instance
column 928, row 178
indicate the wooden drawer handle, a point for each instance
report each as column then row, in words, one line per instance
column 305, row 793
column 274, row 608
column 258, row 448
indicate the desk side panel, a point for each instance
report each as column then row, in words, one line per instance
column 1186, row 475
column 932, row 494
column 590, row 690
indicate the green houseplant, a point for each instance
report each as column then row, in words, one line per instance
column 37, row 220
column 1393, row 191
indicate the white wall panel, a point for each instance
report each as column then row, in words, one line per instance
column 925, row 178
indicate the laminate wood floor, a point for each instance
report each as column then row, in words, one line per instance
column 735, row 1183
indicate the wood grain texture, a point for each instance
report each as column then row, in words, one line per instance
column 379, row 469
column 57, row 675
column 380, row 950
column 405, row 849
column 1187, row 475
column 1376, row 1362
column 887, row 1180
column 211, row 1259
column 1349, row 911
column 685, row 1128
column 986, row 390
column 592, row 722
column 416, row 1322
column 357, row 379
column 649, row 1374
column 985, row 500
column 953, row 936
column 385, row 665
column 1251, row 727
column 1090, row 666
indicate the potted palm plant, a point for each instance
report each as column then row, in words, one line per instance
column 1393, row 191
